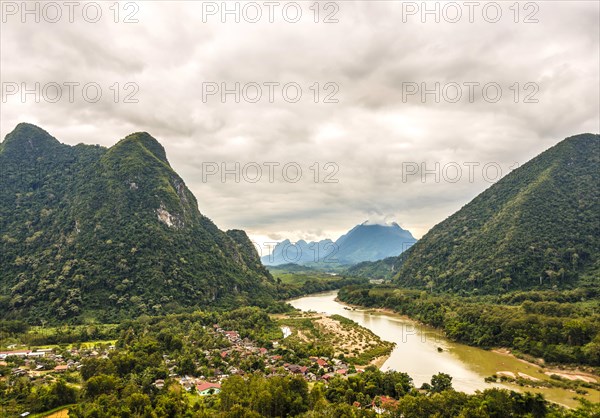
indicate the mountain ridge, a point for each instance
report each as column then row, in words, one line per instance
column 364, row 242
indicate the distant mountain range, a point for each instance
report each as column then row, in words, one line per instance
column 364, row 242
column 538, row 227
column 110, row 233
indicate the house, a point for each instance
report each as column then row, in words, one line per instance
column 343, row 372
column 36, row 354
column 4, row 354
column 294, row 368
column 19, row 372
column 263, row 351
column 321, row 362
column 208, row 388
column 159, row 383
column 61, row 368
column 187, row 382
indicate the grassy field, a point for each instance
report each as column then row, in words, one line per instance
column 301, row 276
column 63, row 336
column 60, row 412
column 64, row 329
column 83, row 345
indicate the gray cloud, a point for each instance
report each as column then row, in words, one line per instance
column 369, row 134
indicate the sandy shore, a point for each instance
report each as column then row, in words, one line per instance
column 569, row 374
column 379, row 361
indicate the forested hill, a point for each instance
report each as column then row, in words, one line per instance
column 538, row 227
column 100, row 233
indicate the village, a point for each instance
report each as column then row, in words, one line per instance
column 49, row 363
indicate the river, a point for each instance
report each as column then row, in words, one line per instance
column 417, row 350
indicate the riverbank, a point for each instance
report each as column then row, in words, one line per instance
column 366, row 309
column 379, row 361
column 422, row 351
column 566, row 372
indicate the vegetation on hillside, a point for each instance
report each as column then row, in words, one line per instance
column 377, row 270
column 99, row 234
column 537, row 228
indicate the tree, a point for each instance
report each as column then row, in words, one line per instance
column 101, row 384
column 505, row 282
column 441, row 382
column 186, row 366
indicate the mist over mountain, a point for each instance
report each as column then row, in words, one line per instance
column 365, row 242
column 96, row 232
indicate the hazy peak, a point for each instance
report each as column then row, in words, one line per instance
column 379, row 223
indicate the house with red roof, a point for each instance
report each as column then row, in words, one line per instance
column 208, row 388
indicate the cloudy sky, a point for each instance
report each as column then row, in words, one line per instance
column 341, row 98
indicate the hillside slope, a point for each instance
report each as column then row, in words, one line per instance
column 106, row 233
column 538, row 227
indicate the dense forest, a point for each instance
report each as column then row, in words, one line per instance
column 95, row 234
column 376, row 270
column 536, row 228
